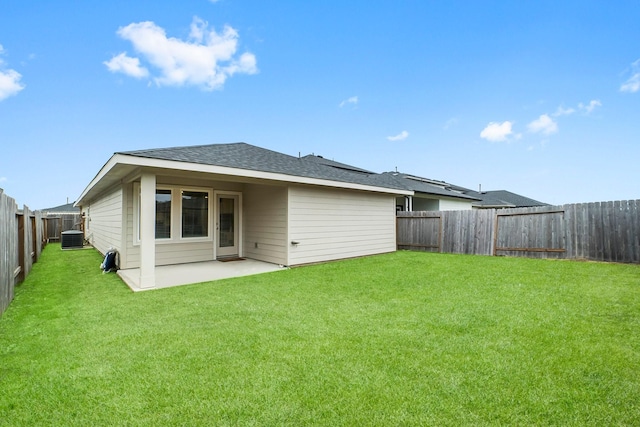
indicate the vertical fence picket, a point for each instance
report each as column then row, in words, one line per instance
column 603, row 231
column 22, row 237
column 8, row 249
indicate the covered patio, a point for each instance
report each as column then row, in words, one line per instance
column 167, row 276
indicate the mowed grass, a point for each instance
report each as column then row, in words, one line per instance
column 398, row 339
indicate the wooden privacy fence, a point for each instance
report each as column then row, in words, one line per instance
column 57, row 223
column 603, row 231
column 22, row 237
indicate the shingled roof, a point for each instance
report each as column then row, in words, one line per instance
column 66, row 208
column 333, row 163
column 504, row 199
column 241, row 155
column 430, row 186
column 485, row 199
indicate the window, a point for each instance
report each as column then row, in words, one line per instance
column 180, row 213
column 195, row 214
column 163, row 214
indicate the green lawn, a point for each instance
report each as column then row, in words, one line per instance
column 398, row 339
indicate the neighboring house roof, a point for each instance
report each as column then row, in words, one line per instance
column 62, row 209
column 430, row 186
column 333, row 163
column 504, row 199
column 485, row 199
column 244, row 160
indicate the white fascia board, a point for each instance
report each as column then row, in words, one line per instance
column 224, row 170
column 432, row 196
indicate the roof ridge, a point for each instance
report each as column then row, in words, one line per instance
column 177, row 147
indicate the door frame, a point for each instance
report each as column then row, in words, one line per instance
column 238, row 219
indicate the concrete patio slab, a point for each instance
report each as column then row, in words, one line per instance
column 184, row 274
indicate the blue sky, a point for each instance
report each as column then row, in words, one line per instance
column 539, row 98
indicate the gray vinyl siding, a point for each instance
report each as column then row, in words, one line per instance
column 333, row 224
column 265, row 223
column 455, row 205
column 104, row 221
column 179, row 253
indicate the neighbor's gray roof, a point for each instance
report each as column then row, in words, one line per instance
column 485, row 199
column 503, row 198
column 423, row 185
column 62, row 209
column 333, row 163
column 240, row 155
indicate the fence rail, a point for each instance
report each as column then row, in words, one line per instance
column 22, row 237
column 57, row 223
column 603, row 231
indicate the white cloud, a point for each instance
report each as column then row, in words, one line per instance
column 3, row 179
column 632, row 85
column 543, row 124
column 353, row 100
column 198, row 29
column 399, row 137
column 9, row 80
column 586, row 109
column 497, row 132
column 450, row 123
column 561, row 111
column 590, row 106
column 206, row 60
column 127, row 65
column 9, row 83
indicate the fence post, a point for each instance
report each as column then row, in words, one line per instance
column 603, row 231
column 9, row 265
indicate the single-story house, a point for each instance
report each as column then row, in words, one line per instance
column 430, row 195
column 66, row 209
column 501, row 199
column 434, row 195
column 202, row 203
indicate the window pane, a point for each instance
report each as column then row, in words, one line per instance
column 195, row 214
column 163, row 214
column 227, row 225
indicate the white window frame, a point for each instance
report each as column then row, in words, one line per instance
column 172, row 230
column 176, row 214
column 209, row 236
column 238, row 194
